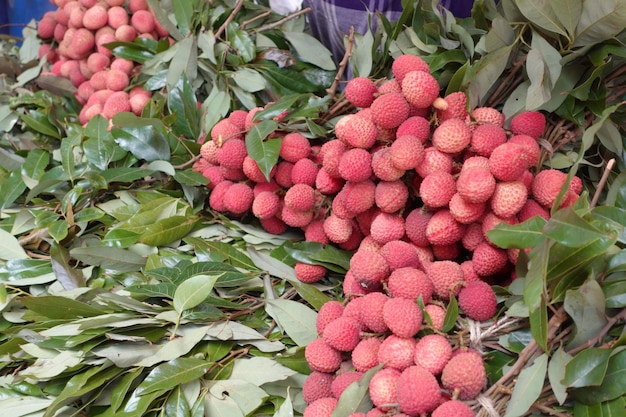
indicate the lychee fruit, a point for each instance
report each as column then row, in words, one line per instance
column 402, row 316
column 476, row 185
column 396, row 352
column 383, row 166
column 355, row 165
column 434, row 316
column 508, row 161
column 478, row 300
column 482, row 115
column 265, row 204
column 369, row 268
column 321, row 356
column 433, row 352
column 464, row 375
column 386, row 227
column 330, row 153
column 464, row 211
column 455, row 107
column 415, row 226
column 360, row 91
column 389, row 110
column 531, row 123
column 453, row 408
column 447, row 278
column 309, row 273
column 530, row 209
column 410, row 283
column 416, row 379
column 420, row 88
column 372, row 312
column 337, row 229
column 434, row 160
column 316, row 386
column 322, row 407
column 342, row 381
column 365, row 354
column 358, row 197
column 400, row 254
column 300, row 197
column 547, row 185
column 403, row 64
column 407, row 152
column 342, row 333
column 328, row 312
column 530, row 146
column 238, row 198
column 391, row 196
column 452, row 136
column 415, row 126
column 443, row 229
column 485, row 138
column 437, row 189
column 508, row 198
column 356, row 131
column 383, row 387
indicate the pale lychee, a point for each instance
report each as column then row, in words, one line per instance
column 452, row 136
column 337, row 229
column 356, row 131
column 358, row 197
column 383, row 166
column 365, row 354
column 434, row 160
column 463, row 211
column 547, row 185
column 530, row 146
column 476, row 185
column 464, row 375
column 369, row 268
column 508, row 198
column 396, row 352
column 435, row 315
column 383, row 387
column 309, row 273
column 372, row 311
column 391, row 196
column 443, row 229
column 294, row 146
column 482, row 115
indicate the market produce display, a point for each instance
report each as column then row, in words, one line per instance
column 200, row 216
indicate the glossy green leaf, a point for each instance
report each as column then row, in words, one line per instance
column 316, row 253
column 61, row 308
column 167, row 230
column 355, row 398
column 241, row 42
column 612, row 386
column 36, row 163
column 615, row 294
column 176, row 404
column 193, row 291
column 297, row 320
column 613, row 408
column 39, row 122
column 182, row 103
column 587, row 368
column 534, row 284
column 600, row 21
column 539, row 325
column 189, row 177
column 485, row 74
column 586, row 306
column 259, row 371
column 184, row 12
column 528, row 387
column 522, row 235
column 262, row 149
column 168, row 375
column 311, row 50
column 542, row 14
column 144, row 138
column 569, row 229
column 10, row 247
column 452, row 314
column 120, row 260
column 249, row 80
column 69, row 277
column 125, row 175
column 11, row 188
column 556, row 373
column 221, row 252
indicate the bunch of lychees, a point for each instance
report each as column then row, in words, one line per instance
column 78, row 31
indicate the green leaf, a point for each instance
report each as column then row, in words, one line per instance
column 587, row 368
column 221, row 252
column 182, row 102
column 184, row 12
column 355, row 398
column 10, row 247
column 569, row 14
column 263, row 151
column 144, row 138
column 125, row 175
column 540, row 13
column 297, row 320
column 259, row 371
column 543, row 66
column 241, row 42
column 193, row 291
column 556, row 373
column 39, row 122
column 167, row 230
column 60, row 308
column 316, row 253
column 613, row 408
column 612, row 386
column 173, row 373
column 122, row 386
column 249, row 80
column 452, row 313
column 120, row 260
column 600, row 21
column 35, row 164
column 485, row 74
column 189, row 177
column 586, row 306
column 69, row 277
column 615, row 294
column 176, row 404
column 311, row 50
column 523, row 235
column 11, row 188
column 528, row 387
column 539, row 325
column 534, row 285
column 569, row 229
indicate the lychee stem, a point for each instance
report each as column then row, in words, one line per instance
column 440, row 104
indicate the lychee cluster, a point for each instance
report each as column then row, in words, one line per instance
column 78, row 31
column 419, row 372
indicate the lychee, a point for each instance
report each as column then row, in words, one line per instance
column 482, row 115
column 330, row 153
column 342, row 334
column 322, row 407
column 294, row 146
column 296, row 218
column 437, row 189
column 402, row 316
column 369, row 268
column 389, row 110
column 508, row 198
column 547, row 185
column 403, row 64
column 328, row 312
column 411, row 283
column 265, row 204
column 383, row 387
column 400, row 254
column 452, row 136
column 485, row 138
column 407, row 152
column 309, row 273
column 316, row 386
column 420, row 88
column 383, row 166
column 455, row 107
column 530, row 146
column 531, row 123
column 435, row 314
column 508, row 161
column 342, row 381
column 453, row 408
column 391, row 196
column 432, row 352
column 337, row 229
column 530, row 209
column 443, row 229
column 464, row 375
column 386, row 227
column 238, row 198
column 434, row 160
column 372, row 311
column 355, row 165
column 415, row 126
column 415, row 226
column 356, row 131
column 360, row 91
column 464, row 211
column 416, row 379
column 476, row 185
column 321, row 356
column 358, row 197
column 447, row 278
column 478, row 300
column 396, row 352
column 365, row 354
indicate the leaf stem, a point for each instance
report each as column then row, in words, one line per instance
column 229, row 19
column 602, row 183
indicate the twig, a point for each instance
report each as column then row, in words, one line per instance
column 283, row 20
column 230, row 18
column 343, row 64
column 603, row 180
column 254, row 19
column 597, row 338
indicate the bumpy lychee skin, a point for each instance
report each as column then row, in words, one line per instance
column 407, row 152
column 342, row 381
column 447, row 278
column 464, row 211
column 482, row 115
column 365, row 354
column 238, row 198
column 327, row 184
column 530, row 146
column 322, row 357
column 410, row 283
column 357, row 131
column 369, row 268
column 453, row 408
column 402, row 316
column 530, row 209
column 420, row 88
column 304, row 171
column 383, row 387
column 416, row 379
column 294, row 146
column 397, row 352
column 443, row 229
column 400, row 254
column 372, row 312
column 329, row 311
column 437, row 189
column 383, row 166
column 508, row 198
column 300, row 197
column 358, row 197
column 416, row 126
column 531, row 123
column 485, row 138
column 342, row 334
column 476, row 185
column 296, row 218
column 455, row 107
column 404, row 64
column 415, row 226
column 433, row 352
column 316, row 386
column 309, row 273
column 508, row 162
column 355, row 165
column 436, row 314
column 391, row 196
column 434, row 160
column 464, row 375
column 390, row 110
column 322, row 407
column 478, row 300
column 360, row 91
column 547, row 185
column 452, row 136
column 337, row 229
column 386, row 227
column 265, row 204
